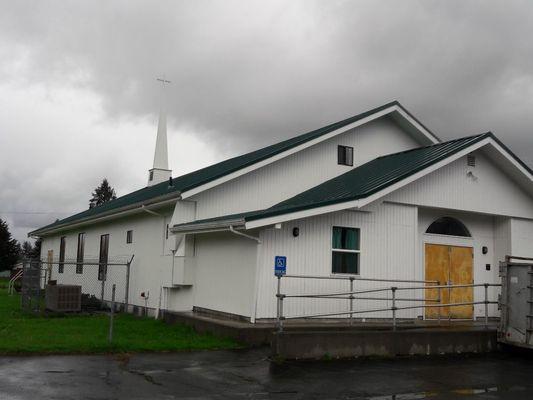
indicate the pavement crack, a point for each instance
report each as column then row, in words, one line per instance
column 148, row 378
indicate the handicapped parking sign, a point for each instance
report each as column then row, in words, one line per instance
column 280, row 265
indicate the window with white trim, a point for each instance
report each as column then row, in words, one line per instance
column 345, row 250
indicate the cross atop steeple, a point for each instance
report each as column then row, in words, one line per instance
column 160, row 171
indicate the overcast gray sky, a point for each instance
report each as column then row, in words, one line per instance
column 79, row 100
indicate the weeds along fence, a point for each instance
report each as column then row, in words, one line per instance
column 96, row 279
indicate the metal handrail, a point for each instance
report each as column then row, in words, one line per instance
column 356, row 278
column 360, row 298
column 326, row 295
column 11, row 284
column 384, row 309
column 351, row 297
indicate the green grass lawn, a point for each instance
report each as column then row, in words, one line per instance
column 22, row 333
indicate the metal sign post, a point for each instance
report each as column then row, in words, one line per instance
column 280, row 269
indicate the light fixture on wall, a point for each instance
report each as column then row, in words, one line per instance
column 471, row 175
column 484, row 249
column 296, row 231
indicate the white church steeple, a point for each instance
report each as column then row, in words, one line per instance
column 160, row 172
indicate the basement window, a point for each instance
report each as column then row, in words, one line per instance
column 129, row 237
column 345, row 155
column 345, row 250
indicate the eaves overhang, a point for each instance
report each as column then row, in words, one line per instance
column 108, row 215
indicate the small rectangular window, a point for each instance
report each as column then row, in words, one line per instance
column 80, row 253
column 471, row 160
column 345, row 250
column 129, row 237
column 345, row 155
column 62, row 245
column 166, row 233
column 104, row 256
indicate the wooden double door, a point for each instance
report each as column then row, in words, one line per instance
column 452, row 264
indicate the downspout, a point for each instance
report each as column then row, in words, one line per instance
column 253, row 308
column 244, row 234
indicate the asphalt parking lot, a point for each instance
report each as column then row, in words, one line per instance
column 249, row 374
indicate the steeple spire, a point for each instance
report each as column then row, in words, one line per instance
column 160, row 171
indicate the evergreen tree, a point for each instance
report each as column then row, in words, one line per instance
column 9, row 248
column 36, row 253
column 27, row 249
column 102, row 194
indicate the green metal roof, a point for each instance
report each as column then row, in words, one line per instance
column 205, row 175
column 362, row 181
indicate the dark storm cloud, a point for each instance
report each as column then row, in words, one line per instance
column 247, row 73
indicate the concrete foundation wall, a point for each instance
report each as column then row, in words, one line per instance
column 347, row 344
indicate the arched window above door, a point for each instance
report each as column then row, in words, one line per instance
column 448, row 226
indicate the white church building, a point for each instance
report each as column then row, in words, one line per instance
column 377, row 195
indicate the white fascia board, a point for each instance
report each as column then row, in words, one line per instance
column 367, row 200
column 417, row 125
column 207, row 226
column 301, row 214
column 512, row 160
column 270, row 160
column 113, row 214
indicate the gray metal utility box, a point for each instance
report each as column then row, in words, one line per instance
column 516, row 322
column 63, row 298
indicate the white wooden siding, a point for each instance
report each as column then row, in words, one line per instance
column 388, row 250
column 285, row 178
column 489, row 191
column 225, row 273
column 522, row 237
column 151, row 265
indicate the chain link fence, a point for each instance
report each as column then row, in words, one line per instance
column 96, row 280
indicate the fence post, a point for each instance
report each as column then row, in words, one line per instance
column 103, row 290
column 393, row 308
column 110, row 337
column 351, row 299
column 127, row 288
column 486, row 305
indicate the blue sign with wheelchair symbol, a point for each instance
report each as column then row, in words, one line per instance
column 280, row 265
